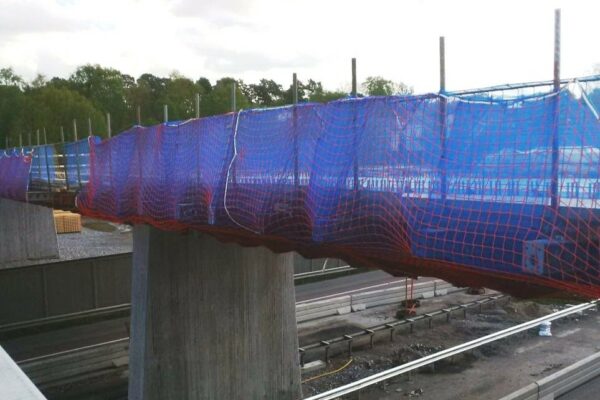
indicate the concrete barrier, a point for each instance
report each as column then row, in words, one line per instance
column 560, row 382
column 374, row 298
column 45, row 290
column 26, row 233
column 63, row 287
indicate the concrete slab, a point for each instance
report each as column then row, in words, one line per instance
column 14, row 384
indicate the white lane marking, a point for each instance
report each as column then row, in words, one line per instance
column 351, row 291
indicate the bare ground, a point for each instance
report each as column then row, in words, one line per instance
column 488, row 372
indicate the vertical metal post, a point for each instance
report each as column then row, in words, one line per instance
column 64, row 156
column 139, row 115
column 295, row 130
column 197, row 105
column 37, row 136
column 76, row 149
column 354, row 83
column 45, row 137
column 166, row 113
column 442, row 121
column 20, row 140
column 89, row 126
column 233, row 97
column 554, row 189
column 355, row 139
column 108, row 127
column 47, row 165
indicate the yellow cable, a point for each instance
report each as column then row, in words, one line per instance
column 328, row 373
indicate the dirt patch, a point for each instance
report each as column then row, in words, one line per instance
column 100, row 226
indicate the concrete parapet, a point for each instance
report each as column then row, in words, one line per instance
column 26, row 232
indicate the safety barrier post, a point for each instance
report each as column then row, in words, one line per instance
column 355, row 150
column 554, row 201
column 47, row 160
column 64, row 156
column 108, row 128
column 76, row 145
column 443, row 117
column 197, row 105
column 294, row 129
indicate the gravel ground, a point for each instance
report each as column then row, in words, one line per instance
column 97, row 238
column 489, row 372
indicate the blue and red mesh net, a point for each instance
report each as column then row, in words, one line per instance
column 14, row 175
column 487, row 189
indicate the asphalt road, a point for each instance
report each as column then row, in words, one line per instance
column 83, row 335
column 372, row 280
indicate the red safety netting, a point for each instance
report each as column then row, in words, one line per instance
column 481, row 190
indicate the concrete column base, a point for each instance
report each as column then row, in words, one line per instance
column 27, row 232
column 211, row 320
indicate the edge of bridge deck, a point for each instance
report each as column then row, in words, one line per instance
column 14, row 384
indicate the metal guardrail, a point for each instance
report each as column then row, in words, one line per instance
column 351, row 338
column 560, row 382
column 430, row 359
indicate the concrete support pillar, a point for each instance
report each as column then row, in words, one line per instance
column 211, row 320
column 27, row 232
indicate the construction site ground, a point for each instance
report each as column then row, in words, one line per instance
column 488, row 372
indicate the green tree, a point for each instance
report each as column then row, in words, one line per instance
column 180, row 95
column 12, row 101
column 106, row 88
column 218, row 101
column 149, row 93
column 378, row 86
column 266, row 93
column 9, row 78
column 205, row 85
column 39, row 81
column 312, row 91
column 51, row 107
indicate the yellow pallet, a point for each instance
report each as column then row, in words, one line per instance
column 67, row 222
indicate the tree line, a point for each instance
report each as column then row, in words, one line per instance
column 92, row 91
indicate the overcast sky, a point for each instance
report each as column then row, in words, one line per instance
column 487, row 41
